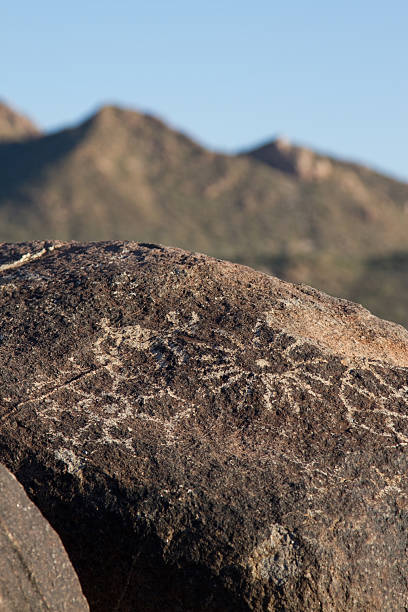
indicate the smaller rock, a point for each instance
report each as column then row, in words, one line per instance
column 35, row 571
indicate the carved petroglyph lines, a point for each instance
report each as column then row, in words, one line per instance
column 296, row 386
column 45, row 396
column 295, row 380
column 173, row 317
column 135, row 335
column 227, row 373
column 231, row 337
column 365, row 412
column 402, row 392
column 111, row 349
column 309, row 467
column 136, row 369
column 169, row 425
column 287, row 385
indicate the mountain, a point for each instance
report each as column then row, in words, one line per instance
column 298, row 161
column 14, row 126
column 280, row 208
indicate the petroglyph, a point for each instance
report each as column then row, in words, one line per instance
column 305, row 375
column 213, row 417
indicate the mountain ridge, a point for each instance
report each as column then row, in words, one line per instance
column 14, row 125
column 122, row 174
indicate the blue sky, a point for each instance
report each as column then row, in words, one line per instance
column 230, row 74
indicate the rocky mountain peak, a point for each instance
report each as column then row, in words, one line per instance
column 15, row 126
column 300, row 161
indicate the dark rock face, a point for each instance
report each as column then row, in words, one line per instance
column 203, row 436
column 35, row 572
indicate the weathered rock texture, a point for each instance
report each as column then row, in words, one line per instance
column 203, row 436
column 35, row 572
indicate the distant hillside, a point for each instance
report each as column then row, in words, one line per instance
column 14, row 126
column 283, row 209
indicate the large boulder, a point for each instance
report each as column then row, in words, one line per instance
column 35, row 572
column 204, row 437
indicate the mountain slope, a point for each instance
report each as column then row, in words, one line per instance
column 14, row 126
column 124, row 175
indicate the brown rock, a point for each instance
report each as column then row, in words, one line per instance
column 203, row 436
column 35, row 572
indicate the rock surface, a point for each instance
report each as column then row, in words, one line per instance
column 35, row 572
column 203, row 436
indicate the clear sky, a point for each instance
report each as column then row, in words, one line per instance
column 332, row 75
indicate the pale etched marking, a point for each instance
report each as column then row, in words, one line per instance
column 218, row 368
column 263, row 363
column 26, row 258
column 389, row 430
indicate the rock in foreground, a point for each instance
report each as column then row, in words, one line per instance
column 35, row 572
column 203, row 436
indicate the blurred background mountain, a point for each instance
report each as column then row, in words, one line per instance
column 280, row 208
column 14, row 125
